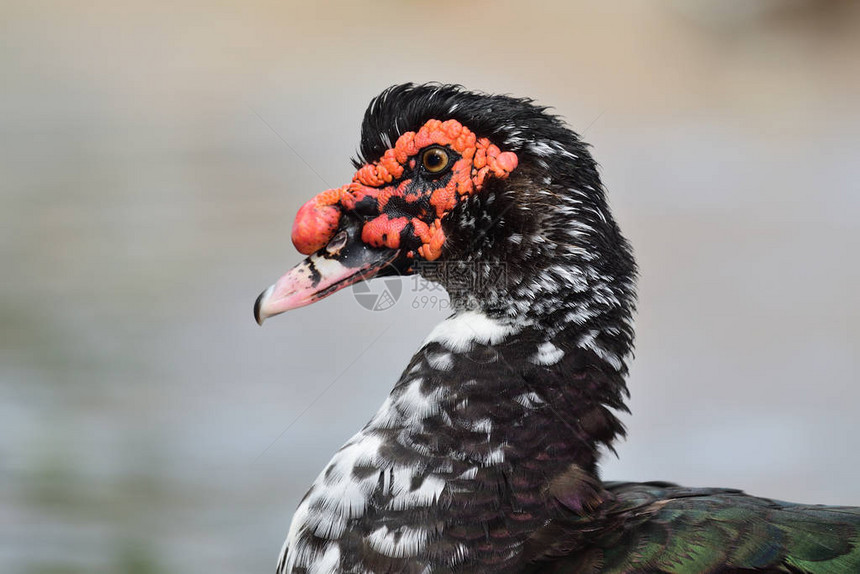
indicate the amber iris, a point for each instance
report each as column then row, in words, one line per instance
column 435, row 159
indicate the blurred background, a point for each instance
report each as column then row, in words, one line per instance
column 152, row 159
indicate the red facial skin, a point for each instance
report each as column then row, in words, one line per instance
column 318, row 219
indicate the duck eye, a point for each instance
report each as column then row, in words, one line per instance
column 435, row 160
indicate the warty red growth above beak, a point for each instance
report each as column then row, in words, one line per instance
column 346, row 260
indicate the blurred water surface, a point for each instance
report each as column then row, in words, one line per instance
column 151, row 162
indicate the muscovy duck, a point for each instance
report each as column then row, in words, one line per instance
column 484, row 456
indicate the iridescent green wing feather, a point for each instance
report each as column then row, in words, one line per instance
column 664, row 528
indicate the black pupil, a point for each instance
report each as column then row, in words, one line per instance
column 434, row 159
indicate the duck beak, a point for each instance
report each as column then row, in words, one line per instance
column 346, row 260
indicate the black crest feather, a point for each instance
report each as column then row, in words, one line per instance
column 506, row 120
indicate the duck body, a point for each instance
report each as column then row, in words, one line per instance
column 484, row 457
column 453, row 470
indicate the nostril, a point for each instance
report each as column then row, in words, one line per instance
column 337, row 242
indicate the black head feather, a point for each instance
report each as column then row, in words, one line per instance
column 509, row 122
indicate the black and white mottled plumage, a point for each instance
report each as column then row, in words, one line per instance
column 484, row 456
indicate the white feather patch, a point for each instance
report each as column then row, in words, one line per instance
column 547, row 354
column 460, row 332
column 398, row 543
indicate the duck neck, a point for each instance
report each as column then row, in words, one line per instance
column 546, row 254
column 511, row 387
